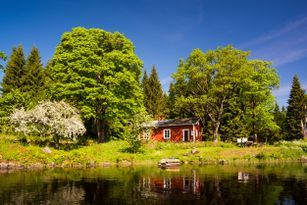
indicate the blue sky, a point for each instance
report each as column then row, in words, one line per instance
column 163, row 31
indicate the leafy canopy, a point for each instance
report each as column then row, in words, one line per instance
column 225, row 88
column 99, row 73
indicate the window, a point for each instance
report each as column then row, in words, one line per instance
column 167, row 184
column 167, row 134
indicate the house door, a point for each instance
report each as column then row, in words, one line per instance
column 186, row 135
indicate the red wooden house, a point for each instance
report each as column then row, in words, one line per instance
column 176, row 130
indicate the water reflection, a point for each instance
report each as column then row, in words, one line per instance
column 274, row 184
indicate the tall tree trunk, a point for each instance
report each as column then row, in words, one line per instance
column 216, row 132
column 100, row 125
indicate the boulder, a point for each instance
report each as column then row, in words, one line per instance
column 194, row 151
column 47, row 150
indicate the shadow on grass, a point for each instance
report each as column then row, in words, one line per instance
column 66, row 145
column 132, row 150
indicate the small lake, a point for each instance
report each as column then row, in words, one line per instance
column 211, row 184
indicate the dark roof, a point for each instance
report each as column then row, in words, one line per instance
column 175, row 122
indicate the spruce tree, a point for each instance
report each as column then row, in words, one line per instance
column 34, row 78
column 295, row 113
column 145, row 90
column 2, row 57
column 170, row 102
column 14, row 71
column 280, row 120
column 154, row 95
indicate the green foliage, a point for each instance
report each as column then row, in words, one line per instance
column 295, row 111
column 98, row 72
column 146, row 90
column 305, row 122
column 14, row 71
column 34, row 78
column 2, row 57
column 228, row 91
column 280, row 119
column 8, row 103
column 154, row 99
column 133, row 131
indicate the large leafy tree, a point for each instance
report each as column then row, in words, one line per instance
column 34, row 78
column 98, row 72
column 295, row 111
column 209, row 85
column 153, row 93
column 14, row 71
column 257, row 98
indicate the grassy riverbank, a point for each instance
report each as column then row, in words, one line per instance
column 113, row 153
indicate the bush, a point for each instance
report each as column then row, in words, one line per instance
column 56, row 119
column 133, row 131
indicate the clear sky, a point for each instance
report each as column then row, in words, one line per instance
column 163, row 31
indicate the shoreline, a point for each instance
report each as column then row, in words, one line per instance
column 14, row 155
column 15, row 166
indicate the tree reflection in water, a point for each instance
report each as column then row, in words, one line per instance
column 274, row 184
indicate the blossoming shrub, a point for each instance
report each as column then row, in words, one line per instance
column 55, row 119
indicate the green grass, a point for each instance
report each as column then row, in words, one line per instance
column 113, row 153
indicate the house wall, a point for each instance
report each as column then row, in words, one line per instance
column 177, row 133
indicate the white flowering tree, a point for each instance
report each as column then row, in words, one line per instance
column 54, row 119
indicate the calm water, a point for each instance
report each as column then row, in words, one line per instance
column 262, row 184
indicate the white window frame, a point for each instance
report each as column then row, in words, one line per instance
column 147, row 134
column 169, row 130
column 189, row 135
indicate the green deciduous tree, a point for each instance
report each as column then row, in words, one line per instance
column 134, row 129
column 224, row 87
column 295, row 111
column 14, row 71
column 98, row 72
column 153, row 94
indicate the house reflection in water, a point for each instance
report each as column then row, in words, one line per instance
column 165, row 185
column 243, row 177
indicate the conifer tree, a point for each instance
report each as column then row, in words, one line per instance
column 154, row 95
column 2, row 57
column 33, row 79
column 145, row 90
column 280, row 120
column 14, row 71
column 170, row 102
column 295, row 111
